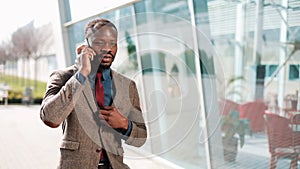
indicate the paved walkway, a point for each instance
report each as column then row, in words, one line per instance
column 26, row 143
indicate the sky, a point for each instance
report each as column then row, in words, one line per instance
column 17, row 13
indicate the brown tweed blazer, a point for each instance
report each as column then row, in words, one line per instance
column 73, row 105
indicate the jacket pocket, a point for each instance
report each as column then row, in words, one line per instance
column 69, row 145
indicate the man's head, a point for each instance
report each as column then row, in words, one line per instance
column 102, row 35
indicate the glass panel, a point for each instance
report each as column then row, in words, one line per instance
column 249, row 54
column 257, row 50
column 76, row 37
column 270, row 69
column 126, row 60
column 294, row 72
column 89, row 8
column 166, row 48
column 122, row 18
column 209, row 65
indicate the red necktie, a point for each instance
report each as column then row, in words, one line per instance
column 100, row 100
column 99, row 90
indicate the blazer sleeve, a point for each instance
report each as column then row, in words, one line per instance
column 61, row 95
column 138, row 133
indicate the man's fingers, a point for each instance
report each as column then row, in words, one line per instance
column 84, row 49
column 91, row 52
column 108, row 107
column 103, row 116
column 105, row 112
column 80, row 48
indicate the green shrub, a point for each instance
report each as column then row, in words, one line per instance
column 16, row 89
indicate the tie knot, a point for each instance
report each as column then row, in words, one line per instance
column 99, row 75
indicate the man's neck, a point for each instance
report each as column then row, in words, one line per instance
column 101, row 69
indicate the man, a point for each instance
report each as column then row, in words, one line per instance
column 97, row 106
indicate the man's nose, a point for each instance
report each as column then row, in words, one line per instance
column 107, row 47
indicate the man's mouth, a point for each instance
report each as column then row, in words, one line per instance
column 107, row 57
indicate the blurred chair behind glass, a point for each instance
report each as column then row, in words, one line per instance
column 254, row 111
column 281, row 139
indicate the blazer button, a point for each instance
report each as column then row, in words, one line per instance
column 98, row 150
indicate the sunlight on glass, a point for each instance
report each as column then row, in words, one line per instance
column 80, row 9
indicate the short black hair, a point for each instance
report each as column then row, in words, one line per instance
column 95, row 24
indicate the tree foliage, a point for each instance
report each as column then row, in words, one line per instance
column 32, row 42
column 28, row 42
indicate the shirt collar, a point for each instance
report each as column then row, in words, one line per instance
column 106, row 74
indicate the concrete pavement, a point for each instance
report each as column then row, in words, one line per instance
column 26, row 143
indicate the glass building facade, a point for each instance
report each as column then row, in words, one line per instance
column 188, row 55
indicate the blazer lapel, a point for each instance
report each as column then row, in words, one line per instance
column 117, row 81
column 89, row 96
column 121, row 99
column 87, row 112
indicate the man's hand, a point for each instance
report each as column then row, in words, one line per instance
column 114, row 118
column 86, row 55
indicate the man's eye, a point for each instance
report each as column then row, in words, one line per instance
column 103, row 44
column 112, row 44
column 100, row 43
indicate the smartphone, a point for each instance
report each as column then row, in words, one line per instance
column 96, row 61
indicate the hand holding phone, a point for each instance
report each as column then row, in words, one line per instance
column 89, row 59
column 86, row 56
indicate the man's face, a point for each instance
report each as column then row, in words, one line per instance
column 104, row 42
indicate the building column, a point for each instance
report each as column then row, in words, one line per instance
column 283, row 55
column 239, row 50
column 259, row 78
